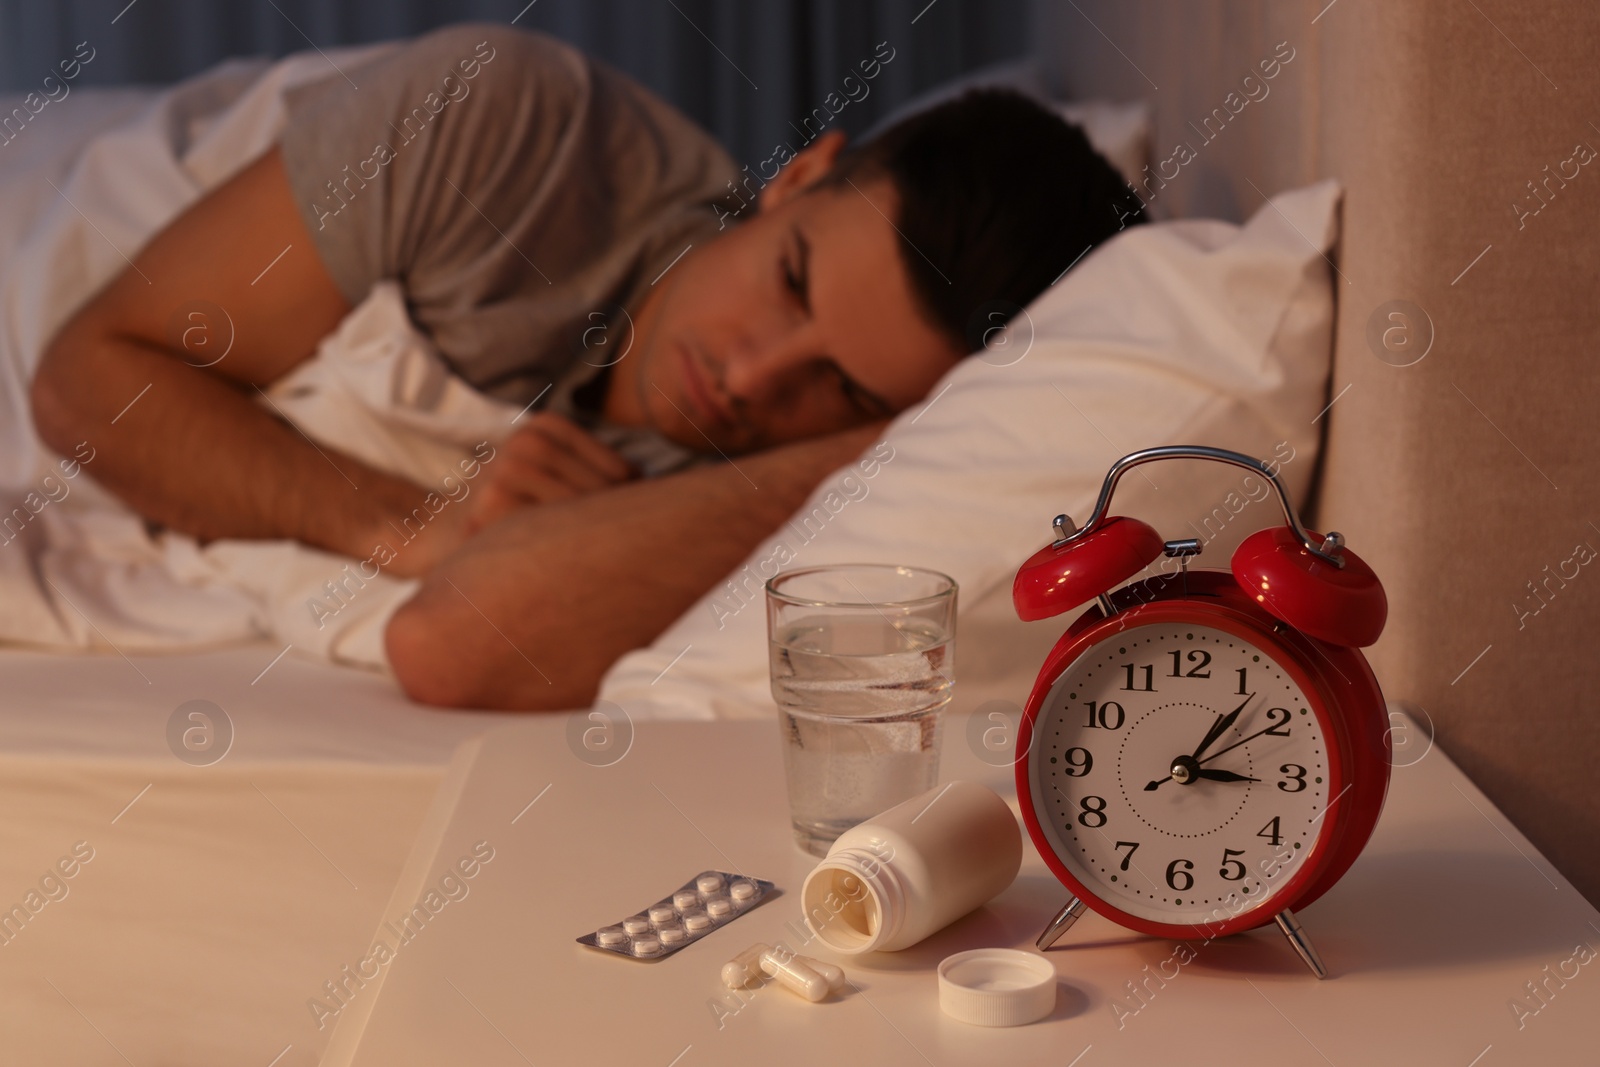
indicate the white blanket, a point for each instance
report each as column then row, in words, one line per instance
column 78, row 570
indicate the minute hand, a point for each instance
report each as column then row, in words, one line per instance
column 1236, row 744
column 1220, row 727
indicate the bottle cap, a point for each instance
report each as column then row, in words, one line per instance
column 997, row 987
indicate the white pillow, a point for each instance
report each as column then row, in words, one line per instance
column 1183, row 332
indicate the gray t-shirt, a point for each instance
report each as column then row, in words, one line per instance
column 518, row 190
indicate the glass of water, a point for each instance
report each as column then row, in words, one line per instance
column 863, row 662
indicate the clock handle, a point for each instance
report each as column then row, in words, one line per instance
column 1302, row 944
column 1061, row 923
column 1325, row 549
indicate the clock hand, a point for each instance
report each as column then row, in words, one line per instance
column 1224, row 776
column 1218, row 728
column 1236, row 744
column 1187, row 771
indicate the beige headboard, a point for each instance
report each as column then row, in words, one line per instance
column 1462, row 131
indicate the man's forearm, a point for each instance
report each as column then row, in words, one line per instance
column 200, row 455
column 533, row 611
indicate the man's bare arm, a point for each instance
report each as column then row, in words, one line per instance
column 190, row 446
column 533, row 610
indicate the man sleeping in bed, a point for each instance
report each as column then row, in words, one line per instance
column 573, row 244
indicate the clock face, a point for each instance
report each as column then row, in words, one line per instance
column 1179, row 773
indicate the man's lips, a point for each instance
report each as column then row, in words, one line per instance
column 699, row 394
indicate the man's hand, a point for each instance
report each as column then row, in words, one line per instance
column 547, row 459
column 532, row 611
column 420, row 546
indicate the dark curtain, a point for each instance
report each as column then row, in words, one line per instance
column 745, row 69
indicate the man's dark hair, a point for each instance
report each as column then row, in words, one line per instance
column 998, row 197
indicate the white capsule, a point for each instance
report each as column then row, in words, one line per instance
column 685, row 899
column 831, row 973
column 794, row 976
column 637, row 926
column 719, row 908
column 743, row 968
column 611, row 937
column 742, row 892
column 709, row 882
column 670, row 933
column 647, row 946
column 662, row 913
column 697, row 923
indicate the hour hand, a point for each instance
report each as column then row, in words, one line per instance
column 1186, row 771
column 1223, row 776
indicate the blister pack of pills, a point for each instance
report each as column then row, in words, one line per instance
column 708, row 901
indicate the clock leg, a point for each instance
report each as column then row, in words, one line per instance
column 1061, row 923
column 1302, row 944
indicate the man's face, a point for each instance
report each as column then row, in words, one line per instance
column 797, row 323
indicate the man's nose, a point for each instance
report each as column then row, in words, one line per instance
column 759, row 372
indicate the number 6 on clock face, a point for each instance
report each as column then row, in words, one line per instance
column 1159, row 813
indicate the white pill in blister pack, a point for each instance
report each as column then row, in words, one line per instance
column 708, row 901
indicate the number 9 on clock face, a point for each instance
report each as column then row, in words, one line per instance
column 1178, row 774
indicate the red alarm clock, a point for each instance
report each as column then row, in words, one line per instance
column 1204, row 752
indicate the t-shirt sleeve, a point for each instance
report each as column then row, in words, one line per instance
column 509, row 183
column 415, row 165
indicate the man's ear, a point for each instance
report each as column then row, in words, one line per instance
column 803, row 171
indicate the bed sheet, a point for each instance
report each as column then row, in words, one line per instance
column 46, row 145
column 288, row 710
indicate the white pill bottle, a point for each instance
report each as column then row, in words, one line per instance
column 891, row 881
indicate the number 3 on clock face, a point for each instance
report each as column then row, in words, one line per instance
column 1178, row 774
